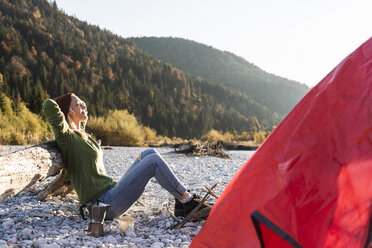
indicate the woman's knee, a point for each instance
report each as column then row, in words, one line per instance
column 148, row 152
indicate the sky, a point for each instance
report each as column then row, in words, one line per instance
column 295, row 39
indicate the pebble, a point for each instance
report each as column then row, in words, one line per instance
column 110, row 239
column 26, row 233
column 130, row 232
column 26, row 222
column 12, row 240
column 27, row 243
column 3, row 244
column 40, row 243
column 3, row 212
column 157, row 245
column 8, row 224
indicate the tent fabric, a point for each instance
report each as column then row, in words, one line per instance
column 312, row 177
column 278, row 238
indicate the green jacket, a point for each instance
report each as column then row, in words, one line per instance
column 83, row 159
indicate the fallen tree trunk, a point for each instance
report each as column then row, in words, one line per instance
column 21, row 169
column 59, row 186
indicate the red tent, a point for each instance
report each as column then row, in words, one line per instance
column 310, row 183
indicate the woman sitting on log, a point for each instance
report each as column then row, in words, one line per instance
column 83, row 161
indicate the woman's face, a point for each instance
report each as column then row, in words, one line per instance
column 79, row 108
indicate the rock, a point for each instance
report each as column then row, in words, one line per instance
column 137, row 240
column 26, row 233
column 64, row 231
column 89, row 244
column 3, row 244
column 46, row 211
column 152, row 237
column 8, row 224
column 178, row 241
column 147, row 212
column 17, row 226
column 186, row 230
column 167, row 241
column 63, row 242
column 97, row 243
column 53, row 245
column 140, row 209
column 118, row 237
column 27, row 243
column 130, row 233
column 110, row 240
column 40, row 243
column 12, row 240
column 167, row 224
column 157, row 245
column 185, row 237
column 184, row 245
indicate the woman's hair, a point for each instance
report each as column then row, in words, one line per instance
column 64, row 103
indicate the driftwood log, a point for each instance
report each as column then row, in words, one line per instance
column 211, row 148
column 198, row 148
column 22, row 169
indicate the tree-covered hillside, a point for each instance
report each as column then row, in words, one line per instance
column 45, row 53
column 276, row 93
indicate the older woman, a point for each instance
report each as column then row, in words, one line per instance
column 67, row 114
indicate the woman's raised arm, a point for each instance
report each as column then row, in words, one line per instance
column 57, row 120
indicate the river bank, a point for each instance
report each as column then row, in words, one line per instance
column 25, row 222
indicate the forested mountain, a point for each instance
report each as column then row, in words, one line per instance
column 46, row 53
column 276, row 93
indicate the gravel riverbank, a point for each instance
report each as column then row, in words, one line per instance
column 26, row 222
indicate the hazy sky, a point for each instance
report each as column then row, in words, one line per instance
column 296, row 39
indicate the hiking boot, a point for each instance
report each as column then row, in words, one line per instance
column 183, row 209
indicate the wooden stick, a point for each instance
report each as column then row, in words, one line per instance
column 202, row 213
column 204, row 203
column 210, row 192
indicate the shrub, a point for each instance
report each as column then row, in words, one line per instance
column 248, row 138
column 18, row 126
column 150, row 134
column 119, row 128
column 259, row 137
column 213, row 135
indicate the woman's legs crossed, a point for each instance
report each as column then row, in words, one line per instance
column 133, row 183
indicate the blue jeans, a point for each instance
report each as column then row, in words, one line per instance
column 131, row 186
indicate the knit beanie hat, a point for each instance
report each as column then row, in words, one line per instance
column 64, row 103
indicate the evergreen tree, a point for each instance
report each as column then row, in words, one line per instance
column 37, row 98
column 56, row 54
